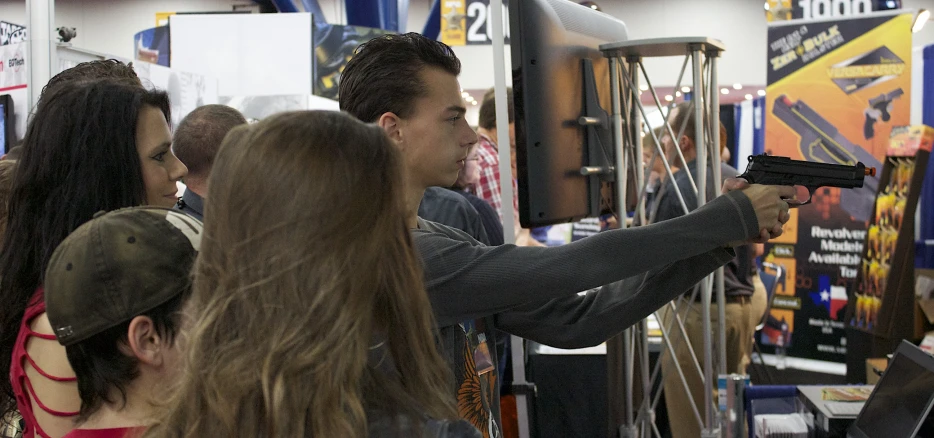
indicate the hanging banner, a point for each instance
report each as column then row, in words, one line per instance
column 186, row 90
column 777, row 10
column 13, row 73
column 11, row 33
column 152, row 46
column 469, row 22
column 836, row 88
column 334, row 46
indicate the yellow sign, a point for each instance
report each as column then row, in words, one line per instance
column 453, row 22
column 778, row 10
column 162, row 18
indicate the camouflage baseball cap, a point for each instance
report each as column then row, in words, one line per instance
column 117, row 266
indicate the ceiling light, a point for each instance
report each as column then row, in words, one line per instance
column 724, row 91
column 748, row 97
column 473, row 103
column 920, row 20
column 767, row 7
column 761, row 92
column 668, row 98
column 686, row 89
column 465, row 94
column 643, row 87
column 737, row 86
column 677, row 94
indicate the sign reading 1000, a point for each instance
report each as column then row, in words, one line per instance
column 808, row 9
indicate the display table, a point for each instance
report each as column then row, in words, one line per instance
column 826, row 423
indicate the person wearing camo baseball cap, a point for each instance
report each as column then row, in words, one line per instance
column 113, row 291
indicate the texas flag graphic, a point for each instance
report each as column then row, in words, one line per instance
column 832, row 298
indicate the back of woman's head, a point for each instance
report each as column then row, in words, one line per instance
column 306, row 267
column 79, row 157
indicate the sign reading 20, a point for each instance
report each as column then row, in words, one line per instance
column 480, row 22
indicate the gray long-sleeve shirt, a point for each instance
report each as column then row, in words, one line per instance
column 533, row 292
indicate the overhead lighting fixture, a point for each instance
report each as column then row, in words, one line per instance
column 677, row 94
column 668, row 98
column 737, row 86
column 643, row 87
column 920, row 20
column 748, row 97
column 761, row 92
column 767, row 7
column 686, row 89
column 724, row 91
column 473, row 103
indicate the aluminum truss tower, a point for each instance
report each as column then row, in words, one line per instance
column 628, row 113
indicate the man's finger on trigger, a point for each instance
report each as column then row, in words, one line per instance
column 786, row 192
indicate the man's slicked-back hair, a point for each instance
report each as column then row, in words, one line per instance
column 487, row 118
column 200, row 134
column 383, row 75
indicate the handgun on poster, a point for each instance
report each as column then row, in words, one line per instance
column 821, row 142
column 783, row 171
column 879, row 108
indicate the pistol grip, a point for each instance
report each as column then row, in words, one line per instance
column 868, row 128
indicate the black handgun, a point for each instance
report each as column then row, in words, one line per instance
column 783, row 171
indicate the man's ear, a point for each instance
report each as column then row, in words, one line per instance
column 686, row 143
column 392, row 126
column 144, row 341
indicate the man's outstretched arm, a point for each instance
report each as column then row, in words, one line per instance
column 586, row 320
column 466, row 280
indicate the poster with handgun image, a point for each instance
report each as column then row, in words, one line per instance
column 334, row 46
column 836, row 88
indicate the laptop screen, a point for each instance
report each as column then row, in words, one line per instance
column 901, row 398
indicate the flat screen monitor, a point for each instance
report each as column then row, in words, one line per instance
column 7, row 125
column 555, row 58
column 900, row 404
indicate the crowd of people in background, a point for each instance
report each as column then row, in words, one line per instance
column 301, row 286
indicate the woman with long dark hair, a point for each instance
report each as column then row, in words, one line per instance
column 308, row 315
column 90, row 147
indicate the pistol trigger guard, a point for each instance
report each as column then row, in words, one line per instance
column 797, row 203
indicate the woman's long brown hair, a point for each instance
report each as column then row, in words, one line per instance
column 308, row 308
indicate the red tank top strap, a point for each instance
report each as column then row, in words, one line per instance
column 47, row 337
column 47, row 375
column 25, row 393
column 32, row 393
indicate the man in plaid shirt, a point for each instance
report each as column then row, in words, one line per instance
column 488, row 187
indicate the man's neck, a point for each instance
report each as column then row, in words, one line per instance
column 413, row 199
column 689, row 156
column 197, row 185
column 135, row 413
